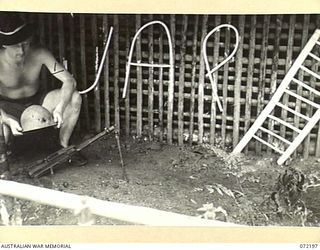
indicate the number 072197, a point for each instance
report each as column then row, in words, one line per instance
column 309, row 246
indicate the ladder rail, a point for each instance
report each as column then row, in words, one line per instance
column 278, row 94
column 293, row 111
column 299, row 138
column 306, row 86
column 268, row 144
column 284, row 123
column 289, row 92
column 275, row 135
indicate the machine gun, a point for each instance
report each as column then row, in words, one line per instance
column 64, row 155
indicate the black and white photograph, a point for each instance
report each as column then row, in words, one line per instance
column 207, row 120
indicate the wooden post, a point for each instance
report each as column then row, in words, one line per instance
column 193, row 77
column 161, row 103
column 288, row 64
column 150, row 80
column 201, row 80
column 305, row 33
column 274, row 71
column 50, row 32
column 225, row 86
column 4, row 166
column 237, row 83
column 317, row 147
column 171, row 84
column 61, row 37
column 106, row 77
column 252, row 44
column 213, row 114
column 262, row 75
column 181, row 79
column 44, row 75
column 116, row 72
column 96, row 91
column 85, row 104
column 139, row 79
column 127, row 100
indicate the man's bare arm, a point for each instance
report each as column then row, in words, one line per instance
column 58, row 71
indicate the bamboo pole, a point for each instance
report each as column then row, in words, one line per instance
column 106, row 76
column 193, row 77
column 301, row 74
column 305, row 34
column 73, row 55
column 225, row 85
column 42, row 36
column 201, row 81
column 139, row 79
column 213, row 114
column 150, row 83
column 262, row 78
column 161, row 103
column 181, row 79
column 237, row 83
column 288, row 64
column 127, row 100
column 61, row 37
column 317, row 151
column 251, row 58
column 84, row 71
column 113, row 210
column 171, row 82
column 50, row 32
column 116, row 72
column 96, row 91
column 275, row 63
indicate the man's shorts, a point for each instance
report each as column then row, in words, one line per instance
column 15, row 107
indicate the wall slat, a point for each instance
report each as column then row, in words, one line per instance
column 116, row 71
column 193, row 77
column 275, row 63
column 201, row 81
column 225, row 84
column 181, row 78
column 96, row 91
column 106, row 74
column 237, row 83
column 248, row 107
column 127, row 100
column 216, row 46
column 150, row 83
column 262, row 70
column 85, row 104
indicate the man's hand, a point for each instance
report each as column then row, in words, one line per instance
column 57, row 117
column 14, row 125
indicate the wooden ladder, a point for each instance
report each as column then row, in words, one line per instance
column 284, row 88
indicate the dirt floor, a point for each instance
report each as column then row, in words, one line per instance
column 203, row 181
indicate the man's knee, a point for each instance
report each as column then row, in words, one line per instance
column 76, row 100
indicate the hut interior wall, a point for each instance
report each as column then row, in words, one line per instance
column 268, row 46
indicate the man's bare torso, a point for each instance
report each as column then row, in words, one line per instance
column 19, row 80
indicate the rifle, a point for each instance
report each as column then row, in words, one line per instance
column 63, row 155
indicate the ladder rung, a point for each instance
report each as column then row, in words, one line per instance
column 314, row 56
column 302, row 98
column 151, row 65
column 306, row 86
column 284, row 123
column 310, row 72
column 268, row 144
column 293, row 111
column 317, row 42
column 275, row 135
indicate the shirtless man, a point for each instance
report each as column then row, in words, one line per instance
column 20, row 86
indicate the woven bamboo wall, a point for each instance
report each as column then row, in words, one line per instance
column 268, row 46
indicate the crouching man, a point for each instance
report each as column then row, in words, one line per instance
column 20, row 85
